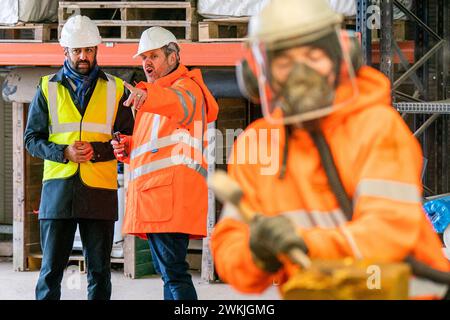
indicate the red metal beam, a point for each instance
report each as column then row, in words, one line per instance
column 118, row 54
column 407, row 48
column 121, row 54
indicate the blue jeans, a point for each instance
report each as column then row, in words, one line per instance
column 57, row 237
column 169, row 252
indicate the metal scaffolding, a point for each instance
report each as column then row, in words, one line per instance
column 427, row 108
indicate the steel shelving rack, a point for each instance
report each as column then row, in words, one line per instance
column 427, row 109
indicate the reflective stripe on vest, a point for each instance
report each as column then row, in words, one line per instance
column 68, row 125
column 303, row 219
column 154, row 135
column 166, row 163
column 392, row 190
column 194, row 106
column 57, row 127
column 300, row 218
column 183, row 103
column 322, row 219
column 179, row 137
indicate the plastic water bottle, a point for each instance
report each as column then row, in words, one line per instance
column 438, row 212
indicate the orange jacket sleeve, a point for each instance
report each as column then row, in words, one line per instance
column 388, row 218
column 177, row 102
column 230, row 240
column 125, row 160
column 233, row 260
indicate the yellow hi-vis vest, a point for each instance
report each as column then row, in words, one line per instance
column 66, row 125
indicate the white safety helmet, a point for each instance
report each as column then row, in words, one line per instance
column 154, row 38
column 282, row 25
column 80, row 32
column 304, row 20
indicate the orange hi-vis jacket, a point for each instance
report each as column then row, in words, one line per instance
column 167, row 190
column 379, row 162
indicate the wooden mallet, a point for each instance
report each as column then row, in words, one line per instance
column 228, row 191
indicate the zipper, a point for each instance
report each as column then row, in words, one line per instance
column 84, row 109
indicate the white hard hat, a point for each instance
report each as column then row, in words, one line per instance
column 154, row 38
column 284, row 19
column 285, row 24
column 80, row 32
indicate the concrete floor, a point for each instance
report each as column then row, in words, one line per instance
column 20, row 286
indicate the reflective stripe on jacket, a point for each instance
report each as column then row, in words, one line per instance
column 380, row 164
column 167, row 191
column 67, row 126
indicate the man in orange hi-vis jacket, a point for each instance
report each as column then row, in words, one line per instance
column 315, row 96
column 167, row 198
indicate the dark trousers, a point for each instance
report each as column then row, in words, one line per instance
column 57, row 237
column 169, row 252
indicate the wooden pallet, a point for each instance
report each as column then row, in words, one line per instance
column 124, row 21
column 399, row 29
column 28, row 32
column 223, row 30
column 349, row 23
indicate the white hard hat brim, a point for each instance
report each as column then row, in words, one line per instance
column 137, row 55
column 154, row 38
column 141, row 51
column 83, row 44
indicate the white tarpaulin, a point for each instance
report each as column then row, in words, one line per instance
column 398, row 14
column 9, row 11
column 233, row 8
column 346, row 7
column 239, row 8
column 14, row 11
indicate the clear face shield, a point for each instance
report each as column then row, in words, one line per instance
column 299, row 82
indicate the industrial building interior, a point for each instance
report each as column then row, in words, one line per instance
column 408, row 41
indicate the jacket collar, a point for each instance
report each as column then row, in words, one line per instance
column 170, row 78
column 59, row 76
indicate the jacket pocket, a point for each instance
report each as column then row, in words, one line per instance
column 155, row 200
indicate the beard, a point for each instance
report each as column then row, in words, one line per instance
column 83, row 67
column 152, row 74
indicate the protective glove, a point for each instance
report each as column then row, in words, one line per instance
column 270, row 236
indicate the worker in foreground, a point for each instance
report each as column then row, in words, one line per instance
column 347, row 177
column 167, row 200
column 69, row 125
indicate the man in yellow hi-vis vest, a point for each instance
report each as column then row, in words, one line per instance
column 70, row 125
